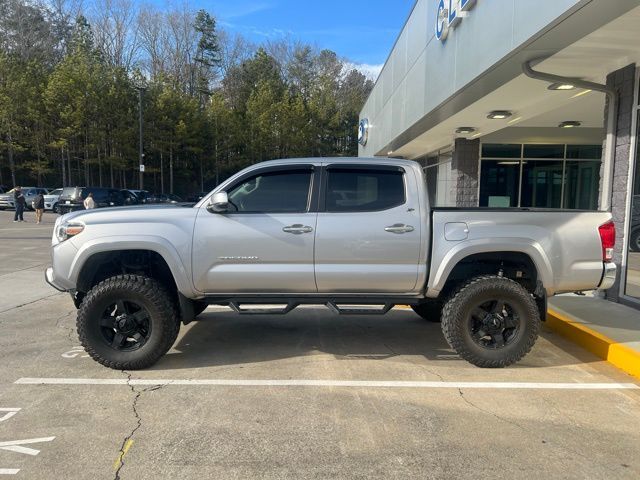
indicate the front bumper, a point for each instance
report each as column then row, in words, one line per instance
column 49, row 277
column 7, row 204
column 609, row 276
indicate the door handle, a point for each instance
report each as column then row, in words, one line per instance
column 399, row 228
column 297, row 229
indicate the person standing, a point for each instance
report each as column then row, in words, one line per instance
column 89, row 203
column 20, row 202
column 38, row 206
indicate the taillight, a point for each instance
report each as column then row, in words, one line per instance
column 608, row 240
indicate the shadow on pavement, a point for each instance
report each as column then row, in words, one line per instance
column 227, row 338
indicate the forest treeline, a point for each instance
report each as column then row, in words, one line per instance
column 212, row 102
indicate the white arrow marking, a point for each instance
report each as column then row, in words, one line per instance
column 9, row 471
column 14, row 445
column 10, row 413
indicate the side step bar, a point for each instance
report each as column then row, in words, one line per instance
column 349, row 310
column 346, row 309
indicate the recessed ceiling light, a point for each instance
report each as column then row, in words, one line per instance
column 465, row 130
column 499, row 114
column 570, row 124
column 561, row 86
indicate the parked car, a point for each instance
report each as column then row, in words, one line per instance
column 130, row 198
column 7, row 200
column 141, row 195
column 72, row 198
column 284, row 232
column 51, row 200
column 164, row 198
column 196, row 197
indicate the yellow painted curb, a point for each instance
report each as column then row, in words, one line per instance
column 617, row 354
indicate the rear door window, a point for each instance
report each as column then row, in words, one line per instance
column 363, row 190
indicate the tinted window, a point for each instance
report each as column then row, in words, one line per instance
column 361, row 190
column 584, row 152
column 544, row 151
column 99, row 195
column 273, row 192
column 501, row 150
column 541, row 184
column 499, row 183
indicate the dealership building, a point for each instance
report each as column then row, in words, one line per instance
column 519, row 103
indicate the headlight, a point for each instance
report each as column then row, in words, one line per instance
column 68, row 230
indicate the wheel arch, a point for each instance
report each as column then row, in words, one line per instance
column 475, row 259
column 93, row 255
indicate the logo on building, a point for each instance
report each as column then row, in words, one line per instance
column 450, row 14
column 363, row 132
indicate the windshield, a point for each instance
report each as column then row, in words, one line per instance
column 71, row 192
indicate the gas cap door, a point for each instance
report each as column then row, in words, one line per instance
column 456, row 231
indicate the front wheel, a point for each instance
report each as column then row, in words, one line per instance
column 491, row 321
column 127, row 322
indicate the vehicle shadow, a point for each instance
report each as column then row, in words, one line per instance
column 223, row 338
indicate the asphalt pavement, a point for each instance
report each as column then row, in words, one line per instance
column 306, row 395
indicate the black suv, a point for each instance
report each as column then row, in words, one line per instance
column 72, row 198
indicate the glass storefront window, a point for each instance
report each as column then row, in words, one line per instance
column 584, row 152
column 499, row 183
column 582, row 181
column 541, row 184
column 540, row 176
column 543, row 151
column 501, row 150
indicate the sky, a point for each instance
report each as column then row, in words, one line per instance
column 361, row 31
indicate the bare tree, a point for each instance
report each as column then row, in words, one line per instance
column 116, row 31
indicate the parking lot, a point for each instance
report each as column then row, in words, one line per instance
column 306, row 395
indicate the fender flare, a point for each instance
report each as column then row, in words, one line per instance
column 161, row 246
column 439, row 274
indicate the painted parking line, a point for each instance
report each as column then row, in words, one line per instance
column 9, row 471
column 330, row 383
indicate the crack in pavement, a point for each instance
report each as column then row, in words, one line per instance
column 527, row 431
column 134, row 407
column 31, row 302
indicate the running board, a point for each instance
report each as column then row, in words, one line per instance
column 237, row 307
column 349, row 310
column 345, row 309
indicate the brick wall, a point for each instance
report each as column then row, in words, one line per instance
column 623, row 81
column 465, row 172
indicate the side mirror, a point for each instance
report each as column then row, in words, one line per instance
column 219, row 203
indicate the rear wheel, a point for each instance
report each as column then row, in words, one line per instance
column 127, row 322
column 430, row 310
column 491, row 321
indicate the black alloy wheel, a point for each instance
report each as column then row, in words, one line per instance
column 125, row 325
column 494, row 324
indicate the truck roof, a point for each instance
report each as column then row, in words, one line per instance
column 325, row 160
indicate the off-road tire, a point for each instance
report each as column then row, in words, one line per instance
column 430, row 310
column 149, row 293
column 455, row 318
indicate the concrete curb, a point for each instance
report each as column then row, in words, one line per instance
column 618, row 354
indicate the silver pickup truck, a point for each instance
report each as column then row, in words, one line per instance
column 357, row 235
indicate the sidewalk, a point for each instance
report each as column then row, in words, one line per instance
column 609, row 330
